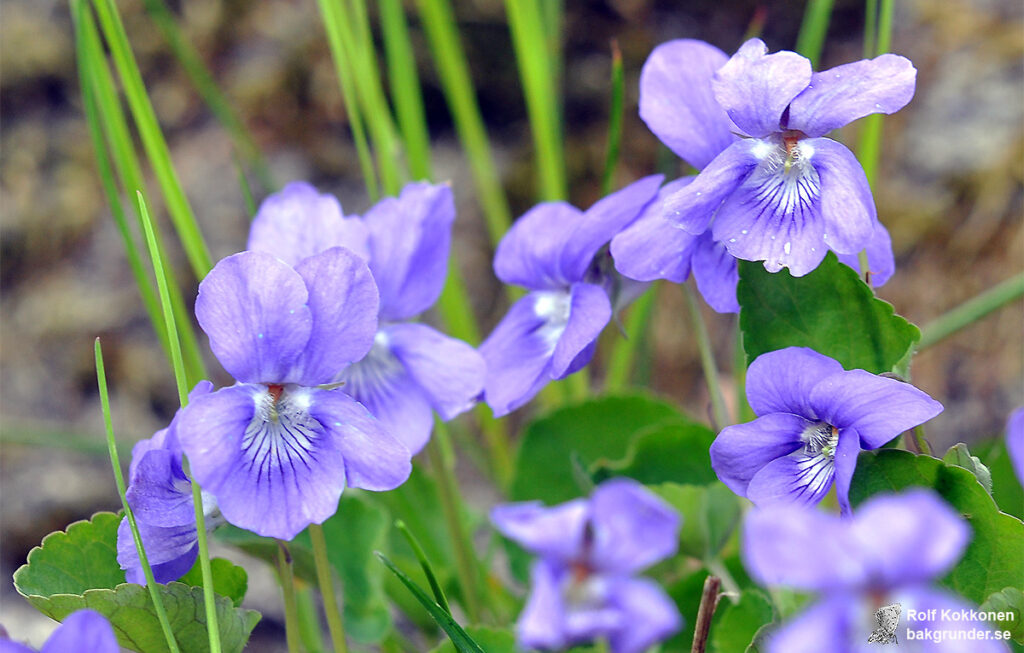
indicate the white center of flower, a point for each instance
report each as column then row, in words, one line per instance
column 282, row 432
column 552, row 306
column 820, row 439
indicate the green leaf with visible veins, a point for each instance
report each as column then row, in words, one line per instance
column 78, row 569
column 829, row 310
column 229, row 579
column 992, row 559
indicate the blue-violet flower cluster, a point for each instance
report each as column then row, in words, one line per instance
column 584, row 584
column 814, row 418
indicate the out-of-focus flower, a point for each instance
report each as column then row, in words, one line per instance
column 1015, row 442
column 84, row 630
column 813, row 420
column 555, row 250
column 276, row 449
column 160, row 496
column 872, row 573
column 785, row 194
column 411, row 368
column 583, row 584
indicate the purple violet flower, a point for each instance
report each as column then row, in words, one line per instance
column 553, row 250
column 276, row 449
column 160, row 495
column 1015, row 442
column 813, row 420
column 83, row 630
column 583, row 583
column 411, row 369
column 784, row 194
column 885, row 555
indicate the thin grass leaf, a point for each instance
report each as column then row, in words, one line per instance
column 813, row 29
column 428, row 570
column 538, row 81
column 611, row 160
column 179, row 375
column 203, row 81
column 119, row 141
column 405, row 88
column 329, row 10
column 450, row 59
column 243, row 183
column 115, row 462
column 357, row 39
column 463, row 642
column 152, row 138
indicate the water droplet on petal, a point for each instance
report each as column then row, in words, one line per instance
column 787, row 248
column 698, row 193
column 732, row 240
column 744, row 232
column 773, row 237
column 259, row 335
column 824, row 236
column 878, row 106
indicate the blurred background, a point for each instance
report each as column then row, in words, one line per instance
column 949, row 190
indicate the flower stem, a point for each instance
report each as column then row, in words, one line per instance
column 708, row 602
column 971, row 311
column 441, row 459
column 291, row 613
column 707, row 359
column 323, row 576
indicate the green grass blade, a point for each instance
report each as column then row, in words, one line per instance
column 972, row 310
column 450, row 59
column 115, row 462
column 620, row 364
column 329, row 9
column 152, row 139
column 179, row 376
column 358, row 36
column 611, row 160
column 243, row 183
column 463, row 642
column 112, row 118
column 811, row 38
column 405, row 88
column 428, row 570
column 203, row 81
column 539, row 86
column 143, row 280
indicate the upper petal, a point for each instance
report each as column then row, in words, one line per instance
column 530, row 253
column 840, row 95
column 678, row 104
column 847, row 206
column 589, row 312
column 555, row 532
column 410, row 237
column 298, row 222
column 781, row 381
column 691, row 207
column 755, row 88
column 450, row 372
column 801, row 547
column 742, row 450
column 652, row 247
column 633, row 528
column 84, row 630
column 912, row 537
column 253, row 308
column 374, row 459
column 878, row 408
column 602, row 221
column 343, row 302
column 518, row 352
